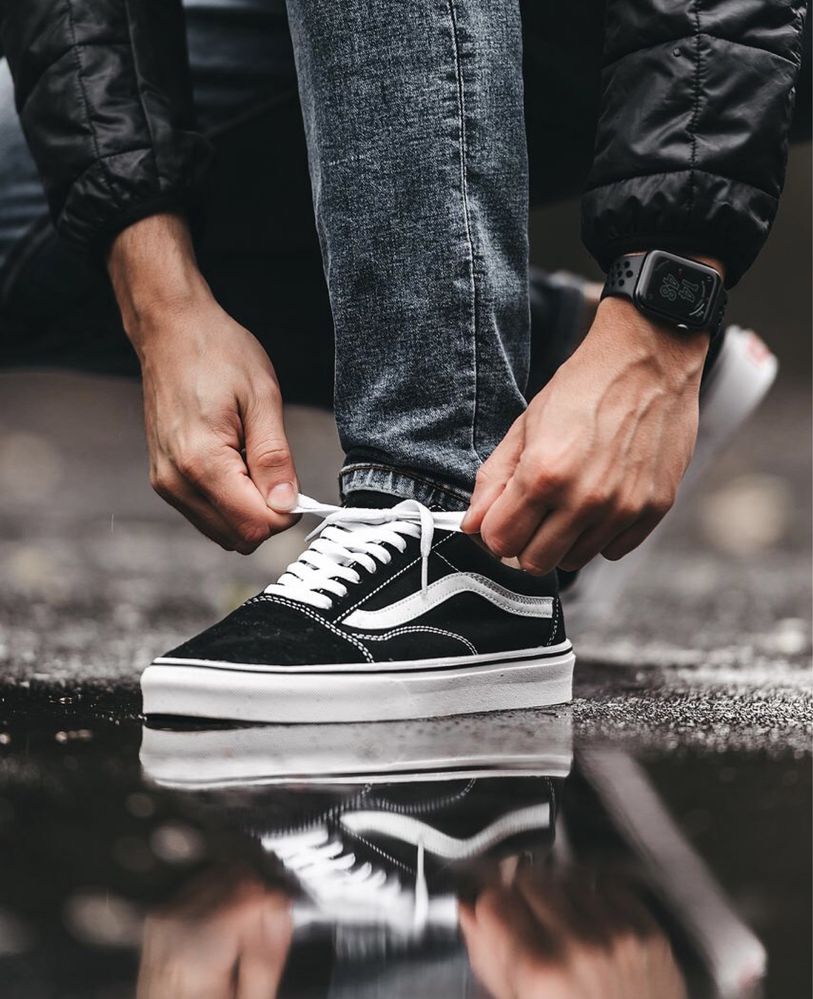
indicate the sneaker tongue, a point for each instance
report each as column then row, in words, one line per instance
column 368, row 499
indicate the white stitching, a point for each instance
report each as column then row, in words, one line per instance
column 418, row 628
column 308, row 613
column 518, row 595
column 555, row 622
column 451, row 566
column 371, row 638
column 556, row 605
column 464, row 200
column 388, row 581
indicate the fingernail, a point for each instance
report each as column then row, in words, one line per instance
column 282, row 497
column 466, row 521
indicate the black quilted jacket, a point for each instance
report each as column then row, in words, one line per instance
column 690, row 149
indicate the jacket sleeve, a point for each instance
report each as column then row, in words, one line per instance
column 691, row 145
column 103, row 92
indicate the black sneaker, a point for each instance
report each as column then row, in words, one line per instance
column 389, row 613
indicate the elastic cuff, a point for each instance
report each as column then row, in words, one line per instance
column 401, row 483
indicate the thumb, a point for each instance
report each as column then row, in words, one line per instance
column 268, row 454
column 493, row 476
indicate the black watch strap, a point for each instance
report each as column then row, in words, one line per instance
column 716, row 321
column 622, row 278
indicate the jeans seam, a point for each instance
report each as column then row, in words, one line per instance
column 464, row 195
column 391, row 470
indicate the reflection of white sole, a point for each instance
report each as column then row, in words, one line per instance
column 494, row 745
column 738, row 382
column 428, row 688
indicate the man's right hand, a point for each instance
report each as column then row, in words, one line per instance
column 210, row 392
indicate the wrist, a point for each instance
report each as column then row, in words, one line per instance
column 155, row 276
column 675, row 355
column 670, row 289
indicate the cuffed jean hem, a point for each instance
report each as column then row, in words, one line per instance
column 401, row 483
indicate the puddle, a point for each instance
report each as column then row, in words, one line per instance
column 459, row 858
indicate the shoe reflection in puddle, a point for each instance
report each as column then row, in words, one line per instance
column 187, row 756
column 389, row 865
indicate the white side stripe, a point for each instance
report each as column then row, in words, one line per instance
column 412, row 830
column 443, row 589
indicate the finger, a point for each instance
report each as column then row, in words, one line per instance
column 567, row 910
column 491, row 943
column 265, row 951
column 514, row 517
column 625, row 908
column 226, row 484
column 591, row 542
column 197, row 510
column 257, row 978
column 555, row 537
column 627, row 540
column 186, row 976
column 493, row 475
column 268, row 455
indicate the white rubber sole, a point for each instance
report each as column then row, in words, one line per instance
column 489, row 745
column 427, row 688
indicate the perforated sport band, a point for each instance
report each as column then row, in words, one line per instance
column 622, row 278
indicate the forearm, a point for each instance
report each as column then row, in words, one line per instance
column 155, row 276
column 665, row 356
column 212, row 405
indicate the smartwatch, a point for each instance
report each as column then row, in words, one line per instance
column 672, row 289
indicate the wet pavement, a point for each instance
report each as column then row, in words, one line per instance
column 652, row 840
column 188, row 861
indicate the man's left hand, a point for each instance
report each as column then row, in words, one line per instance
column 595, row 461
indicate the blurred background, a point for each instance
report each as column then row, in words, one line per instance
column 703, row 670
column 99, row 574
column 774, row 297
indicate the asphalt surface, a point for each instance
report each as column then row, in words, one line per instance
column 708, row 646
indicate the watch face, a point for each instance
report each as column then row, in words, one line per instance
column 673, row 287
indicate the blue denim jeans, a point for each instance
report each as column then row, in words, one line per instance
column 416, row 145
column 415, row 134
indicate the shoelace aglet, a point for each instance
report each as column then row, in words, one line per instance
column 427, row 532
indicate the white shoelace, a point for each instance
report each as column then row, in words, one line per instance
column 353, row 538
column 330, row 870
column 332, row 875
